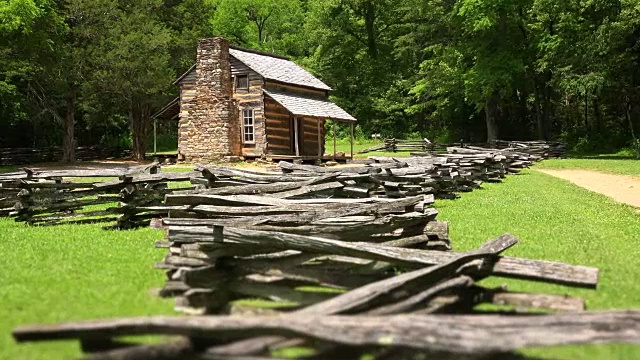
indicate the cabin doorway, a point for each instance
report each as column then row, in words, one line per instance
column 297, row 135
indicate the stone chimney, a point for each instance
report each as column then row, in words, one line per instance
column 211, row 130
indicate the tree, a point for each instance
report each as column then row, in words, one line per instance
column 271, row 25
column 131, row 63
column 29, row 31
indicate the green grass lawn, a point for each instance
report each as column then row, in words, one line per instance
column 556, row 220
column 345, row 146
column 615, row 166
column 53, row 274
column 66, row 273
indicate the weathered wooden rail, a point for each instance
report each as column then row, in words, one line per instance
column 49, row 198
column 392, row 313
column 541, row 149
column 20, row 156
column 395, row 145
column 351, row 261
column 87, row 196
column 473, row 336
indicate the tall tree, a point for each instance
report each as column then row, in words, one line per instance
column 272, row 25
column 131, row 62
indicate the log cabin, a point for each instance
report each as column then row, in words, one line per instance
column 239, row 102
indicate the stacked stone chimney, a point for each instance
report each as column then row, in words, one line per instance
column 211, row 129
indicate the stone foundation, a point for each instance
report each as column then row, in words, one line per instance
column 211, row 132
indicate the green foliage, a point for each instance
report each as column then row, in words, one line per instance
column 271, row 25
column 18, row 15
column 449, row 70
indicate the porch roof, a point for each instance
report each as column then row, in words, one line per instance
column 305, row 106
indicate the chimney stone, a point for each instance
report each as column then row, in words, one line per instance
column 210, row 129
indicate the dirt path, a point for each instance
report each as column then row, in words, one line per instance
column 621, row 188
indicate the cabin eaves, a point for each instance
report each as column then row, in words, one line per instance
column 305, row 106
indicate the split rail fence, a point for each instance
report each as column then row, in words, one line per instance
column 543, row 149
column 351, row 262
column 19, row 156
column 129, row 198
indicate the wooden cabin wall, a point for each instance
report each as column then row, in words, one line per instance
column 292, row 89
column 278, row 128
column 251, row 99
column 309, row 132
column 280, row 131
column 279, row 123
column 187, row 92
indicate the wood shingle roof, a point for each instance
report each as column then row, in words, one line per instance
column 300, row 105
column 278, row 69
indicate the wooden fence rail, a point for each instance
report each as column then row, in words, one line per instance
column 60, row 196
column 352, row 261
column 20, row 156
column 541, row 149
column 394, row 312
column 457, row 334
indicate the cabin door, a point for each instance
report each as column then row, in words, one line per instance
column 297, row 136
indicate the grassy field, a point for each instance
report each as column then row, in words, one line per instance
column 556, row 220
column 53, row 274
column 83, row 272
column 615, row 166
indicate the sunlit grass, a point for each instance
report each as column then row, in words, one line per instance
column 73, row 272
column 64, row 273
column 614, row 166
column 556, row 220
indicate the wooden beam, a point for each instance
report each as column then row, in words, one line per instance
column 504, row 266
column 295, row 136
column 352, row 140
column 334, row 140
column 319, row 139
column 366, row 296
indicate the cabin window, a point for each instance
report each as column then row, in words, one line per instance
column 242, row 82
column 248, row 126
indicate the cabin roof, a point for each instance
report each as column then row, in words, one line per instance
column 300, row 105
column 277, row 68
column 271, row 67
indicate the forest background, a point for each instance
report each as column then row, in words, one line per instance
column 92, row 72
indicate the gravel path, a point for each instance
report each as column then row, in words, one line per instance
column 621, row 188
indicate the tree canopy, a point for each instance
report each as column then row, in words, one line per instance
column 76, row 72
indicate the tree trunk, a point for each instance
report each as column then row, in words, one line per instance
column 586, row 111
column 539, row 115
column 369, row 23
column 139, row 119
column 69, row 143
column 596, row 113
column 636, row 142
column 547, row 107
column 490, row 114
